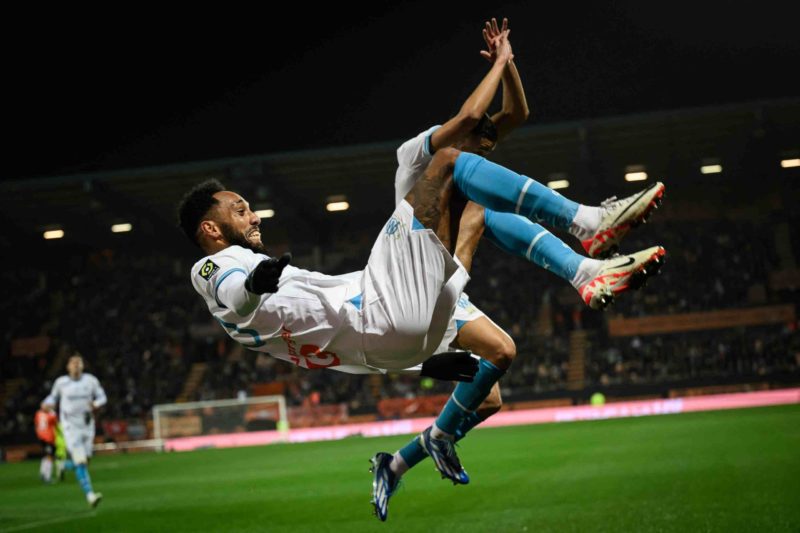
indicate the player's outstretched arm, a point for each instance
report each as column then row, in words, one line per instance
column 478, row 102
column 264, row 278
column 515, row 109
column 241, row 292
column 99, row 396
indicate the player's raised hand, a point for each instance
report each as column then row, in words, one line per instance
column 503, row 53
column 491, row 32
column 264, row 278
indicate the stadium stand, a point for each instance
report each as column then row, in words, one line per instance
column 131, row 311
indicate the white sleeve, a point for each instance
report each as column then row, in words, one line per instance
column 55, row 394
column 230, row 292
column 417, row 151
column 220, row 278
column 363, row 369
column 99, row 394
column 413, row 158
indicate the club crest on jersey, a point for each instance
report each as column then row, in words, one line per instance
column 466, row 305
column 208, row 269
column 394, row 228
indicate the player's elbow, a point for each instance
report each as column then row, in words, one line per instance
column 469, row 118
column 446, row 157
column 514, row 118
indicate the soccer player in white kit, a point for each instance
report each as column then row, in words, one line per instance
column 78, row 395
column 473, row 130
column 392, row 316
column 395, row 313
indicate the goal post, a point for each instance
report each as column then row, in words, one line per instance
column 216, row 417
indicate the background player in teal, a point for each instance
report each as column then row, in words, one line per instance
column 78, row 395
column 473, row 130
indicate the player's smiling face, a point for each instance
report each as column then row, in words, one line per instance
column 238, row 223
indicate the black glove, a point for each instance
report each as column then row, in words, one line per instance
column 87, row 417
column 264, row 278
column 451, row 366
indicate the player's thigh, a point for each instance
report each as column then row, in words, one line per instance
column 469, row 232
column 430, row 197
column 76, row 441
column 88, row 443
column 486, row 339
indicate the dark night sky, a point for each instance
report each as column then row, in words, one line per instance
column 143, row 88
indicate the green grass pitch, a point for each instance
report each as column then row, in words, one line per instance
column 718, row 471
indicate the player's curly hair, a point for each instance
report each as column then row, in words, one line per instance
column 195, row 205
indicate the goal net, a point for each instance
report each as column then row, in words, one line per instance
column 218, row 417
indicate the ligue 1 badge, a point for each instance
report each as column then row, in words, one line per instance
column 208, row 270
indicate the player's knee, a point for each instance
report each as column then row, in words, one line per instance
column 446, row 156
column 503, row 352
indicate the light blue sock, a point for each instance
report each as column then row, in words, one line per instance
column 501, row 189
column 69, row 465
column 519, row 236
column 413, row 453
column 469, row 422
column 82, row 473
column 467, row 397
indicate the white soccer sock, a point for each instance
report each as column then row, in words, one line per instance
column 398, row 465
column 437, row 433
column 587, row 270
column 46, row 469
column 586, row 221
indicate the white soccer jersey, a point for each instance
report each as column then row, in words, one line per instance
column 76, row 398
column 312, row 321
column 413, row 157
column 393, row 315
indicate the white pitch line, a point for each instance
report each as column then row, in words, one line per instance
column 49, row 521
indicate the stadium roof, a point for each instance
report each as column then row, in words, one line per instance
column 591, row 154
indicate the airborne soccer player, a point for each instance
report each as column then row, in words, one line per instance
column 394, row 314
column 600, row 228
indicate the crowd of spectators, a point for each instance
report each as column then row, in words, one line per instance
column 140, row 326
column 738, row 352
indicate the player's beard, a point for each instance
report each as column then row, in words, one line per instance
column 234, row 237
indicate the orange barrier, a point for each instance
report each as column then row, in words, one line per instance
column 729, row 318
column 410, row 407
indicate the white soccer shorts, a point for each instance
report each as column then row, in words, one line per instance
column 412, row 285
column 80, row 442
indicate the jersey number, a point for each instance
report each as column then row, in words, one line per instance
column 312, row 357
